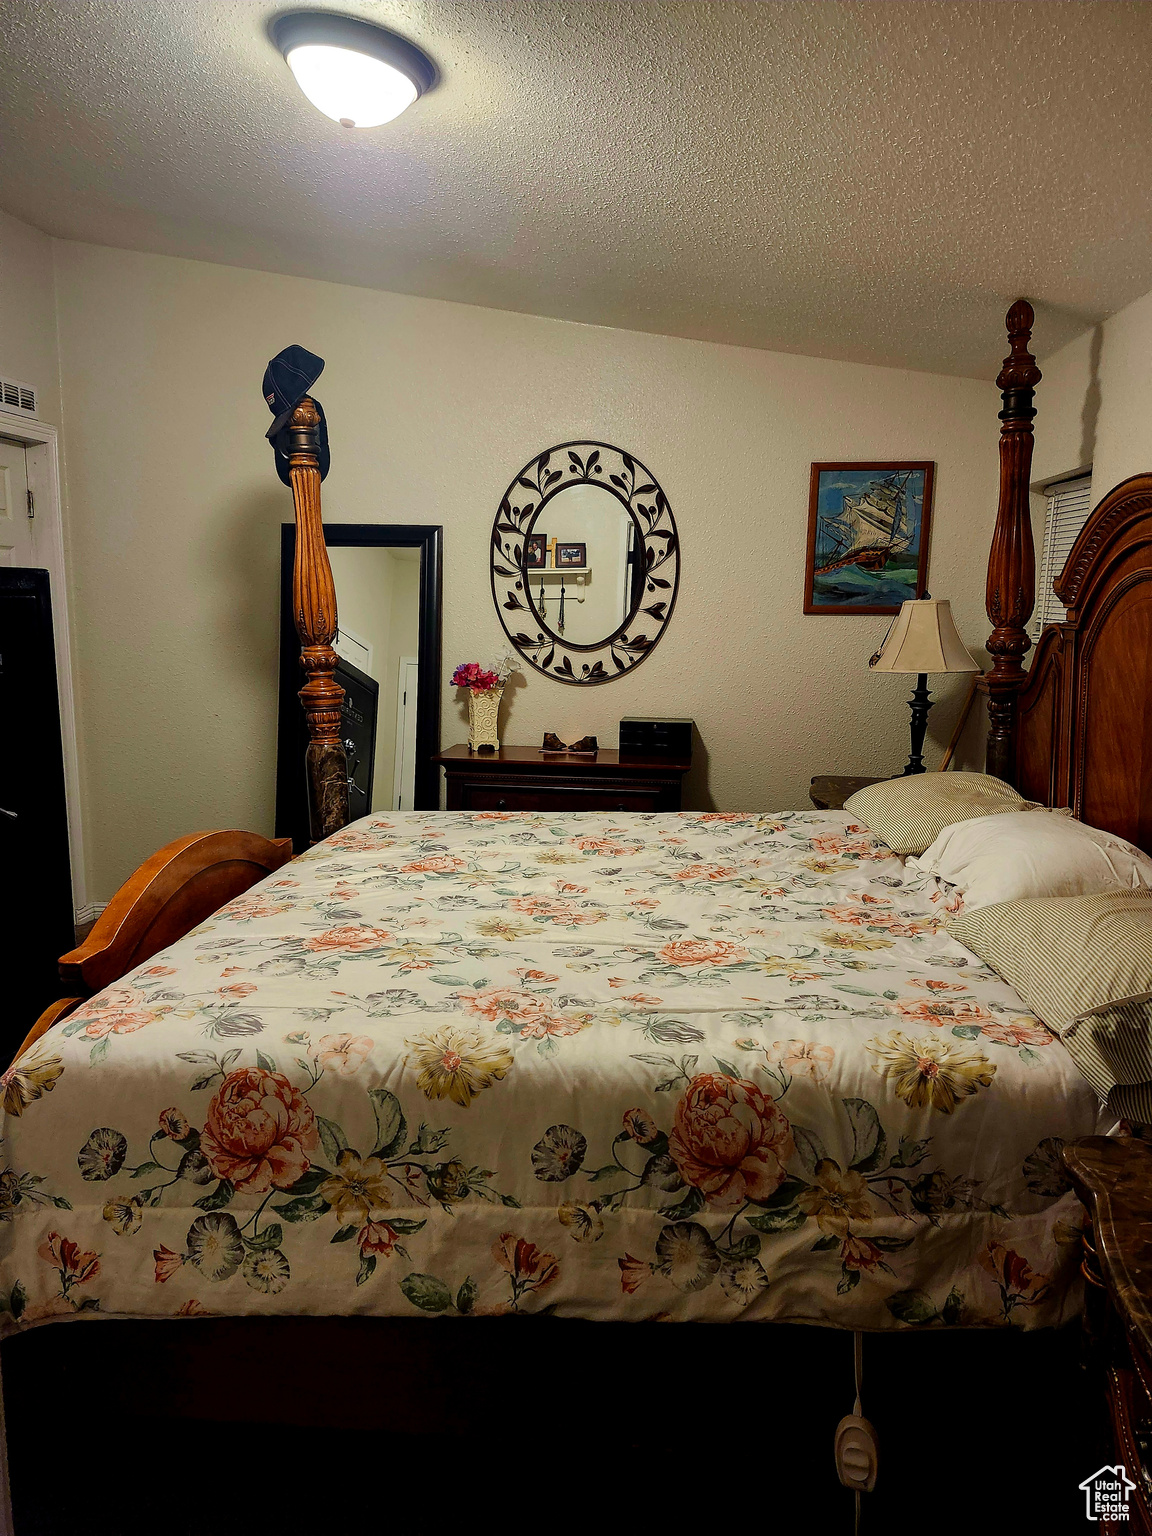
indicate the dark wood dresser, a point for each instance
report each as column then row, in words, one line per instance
column 525, row 779
column 1112, row 1175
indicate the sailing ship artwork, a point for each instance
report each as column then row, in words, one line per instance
column 868, row 527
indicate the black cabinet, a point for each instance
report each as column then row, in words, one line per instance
column 34, row 862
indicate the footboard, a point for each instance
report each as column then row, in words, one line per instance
column 173, row 891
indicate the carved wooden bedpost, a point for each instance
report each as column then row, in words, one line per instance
column 314, row 612
column 1011, row 591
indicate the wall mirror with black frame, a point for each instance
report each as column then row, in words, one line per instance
column 388, row 581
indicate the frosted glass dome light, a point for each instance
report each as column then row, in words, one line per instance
column 357, row 74
column 351, row 88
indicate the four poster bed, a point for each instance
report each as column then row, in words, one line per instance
column 448, row 1064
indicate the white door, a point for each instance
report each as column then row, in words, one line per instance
column 404, row 778
column 16, row 527
column 354, row 648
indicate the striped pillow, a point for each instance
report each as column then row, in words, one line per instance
column 910, row 813
column 1112, row 1046
column 1083, row 964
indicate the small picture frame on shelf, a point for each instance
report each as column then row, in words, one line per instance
column 536, row 552
column 571, row 555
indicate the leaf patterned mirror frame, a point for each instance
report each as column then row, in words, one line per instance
column 636, row 488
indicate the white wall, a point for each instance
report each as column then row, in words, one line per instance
column 28, row 313
column 432, row 408
column 1094, row 405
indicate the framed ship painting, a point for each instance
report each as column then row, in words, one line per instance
column 868, row 532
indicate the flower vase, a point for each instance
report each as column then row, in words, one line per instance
column 484, row 719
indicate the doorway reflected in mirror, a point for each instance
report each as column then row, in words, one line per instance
column 378, row 602
column 387, row 581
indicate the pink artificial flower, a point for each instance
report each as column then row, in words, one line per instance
column 471, row 675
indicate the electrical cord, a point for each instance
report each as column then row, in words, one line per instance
column 858, row 1374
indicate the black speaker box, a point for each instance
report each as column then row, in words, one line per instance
column 644, row 737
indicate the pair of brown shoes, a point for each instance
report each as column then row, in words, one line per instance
column 586, row 744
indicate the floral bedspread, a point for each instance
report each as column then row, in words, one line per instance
column 696, row 1066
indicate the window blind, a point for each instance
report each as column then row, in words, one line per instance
column 1068, row 506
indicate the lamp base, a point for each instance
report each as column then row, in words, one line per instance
column 920, row 703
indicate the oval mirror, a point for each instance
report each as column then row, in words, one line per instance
column 585, row 562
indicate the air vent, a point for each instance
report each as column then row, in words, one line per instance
column 15, row 396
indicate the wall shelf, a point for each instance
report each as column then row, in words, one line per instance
column 575, row 576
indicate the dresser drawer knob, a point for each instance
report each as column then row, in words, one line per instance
column 501, row 805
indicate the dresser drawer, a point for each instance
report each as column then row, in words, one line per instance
column 525, row 779
column 556, row 797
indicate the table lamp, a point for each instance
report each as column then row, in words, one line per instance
column 922, row 639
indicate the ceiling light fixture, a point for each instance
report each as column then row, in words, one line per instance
column 357, row 74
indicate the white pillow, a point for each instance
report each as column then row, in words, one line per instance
column 1022, row 854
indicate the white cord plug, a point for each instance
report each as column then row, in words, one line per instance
column 857, row 1446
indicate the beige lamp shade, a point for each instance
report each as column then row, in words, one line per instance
column 924, row 639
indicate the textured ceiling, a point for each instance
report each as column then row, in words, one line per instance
column 870, row 180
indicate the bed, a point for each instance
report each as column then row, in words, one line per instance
column 702, row 1066
column 695, row 1067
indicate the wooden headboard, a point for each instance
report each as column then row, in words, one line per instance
column 1076, row 728
column 1084, row 737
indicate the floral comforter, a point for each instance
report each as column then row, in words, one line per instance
column 691, row 1066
